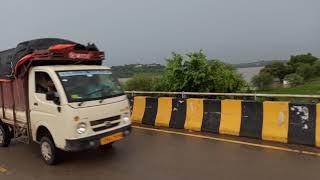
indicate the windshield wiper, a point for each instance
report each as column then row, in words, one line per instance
column 93, row 92
column 96, row 91
column 80, row 103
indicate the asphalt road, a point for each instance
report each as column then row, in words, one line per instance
column 155, row 155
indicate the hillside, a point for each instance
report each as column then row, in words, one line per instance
column 129, row 70
column 255, row 64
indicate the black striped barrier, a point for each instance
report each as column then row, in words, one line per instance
column 274, row 121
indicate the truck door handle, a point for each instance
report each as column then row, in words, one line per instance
column 36, row 104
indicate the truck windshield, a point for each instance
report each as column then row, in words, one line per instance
column 86, row 85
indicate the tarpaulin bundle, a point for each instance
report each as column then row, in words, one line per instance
column 10, row 58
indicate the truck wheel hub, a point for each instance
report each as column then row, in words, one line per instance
column 46, row 151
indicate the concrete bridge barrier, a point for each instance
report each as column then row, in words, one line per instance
column 270, row 120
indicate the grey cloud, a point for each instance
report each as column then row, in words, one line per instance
column 148, row 31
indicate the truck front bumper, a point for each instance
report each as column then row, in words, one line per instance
column 93, row 142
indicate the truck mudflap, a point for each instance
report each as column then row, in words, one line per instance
column 94, row 142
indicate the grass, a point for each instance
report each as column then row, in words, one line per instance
column 311, row 88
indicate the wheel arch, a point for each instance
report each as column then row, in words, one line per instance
column 41, row 131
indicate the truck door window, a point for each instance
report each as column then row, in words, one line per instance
column 45, row 85
column 43, row 82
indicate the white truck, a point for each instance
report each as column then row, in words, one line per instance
column 57, row 93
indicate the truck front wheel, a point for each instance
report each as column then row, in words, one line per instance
column 5, row 137
column 48, row 150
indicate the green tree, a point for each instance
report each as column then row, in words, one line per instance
column 224, row 78
column 195, row 73
column 263, row 80
column 277, row 69
column 297, row 60
column 316, row 68
column 304, row 66
column 173, row 78
column 305, row 70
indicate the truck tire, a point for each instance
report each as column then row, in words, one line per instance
column 5, row 136
column 48, row 150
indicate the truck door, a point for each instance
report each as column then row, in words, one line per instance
column 43, row 111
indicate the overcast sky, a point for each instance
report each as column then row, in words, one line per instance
column 147, row 31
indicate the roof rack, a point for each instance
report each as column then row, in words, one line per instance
column 60, row 54
column 67, row 52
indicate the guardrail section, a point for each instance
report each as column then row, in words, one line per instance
column 270, row 120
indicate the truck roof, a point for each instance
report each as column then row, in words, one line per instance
column 70, row 67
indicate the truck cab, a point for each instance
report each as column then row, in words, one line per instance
column 64, row 106
column 85, row 105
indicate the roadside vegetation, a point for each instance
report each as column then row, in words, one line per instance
column 300, row 75
column 310, row 87
column 192, row 72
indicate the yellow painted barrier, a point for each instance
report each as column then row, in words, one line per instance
column 139, row 106
column 164, row 111
column 230, row 117
column 318, row 126
column 275, row 121
column 194, row 114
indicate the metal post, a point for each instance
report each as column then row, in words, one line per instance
column 183, row 95
column 2, row 100
column 14, row 109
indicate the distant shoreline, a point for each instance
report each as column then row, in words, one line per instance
column 247, row 73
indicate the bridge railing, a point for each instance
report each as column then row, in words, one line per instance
column 255, row 96
column 273, row 117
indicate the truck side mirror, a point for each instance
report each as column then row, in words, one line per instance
column 50, row 96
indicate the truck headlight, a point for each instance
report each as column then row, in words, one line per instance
column 126, row 118
column 81, row 128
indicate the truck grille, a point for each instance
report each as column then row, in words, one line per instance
column 104, row 127
column 106, row 123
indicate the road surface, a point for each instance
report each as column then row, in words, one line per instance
column 153, row 155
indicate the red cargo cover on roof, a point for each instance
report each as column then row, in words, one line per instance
column 60, row 54
column 16, row 62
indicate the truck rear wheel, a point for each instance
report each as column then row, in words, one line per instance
column 48, row 150
column 5, row 137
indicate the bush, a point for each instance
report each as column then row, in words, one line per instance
column 277, row 70
column 305, row 70
column 294, row 79
column 263, row 80
column 195, row 73
column 190, row 73
column 316, row 68
column 305, row 66
column 301, row 59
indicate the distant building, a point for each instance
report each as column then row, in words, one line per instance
column 286, row 83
